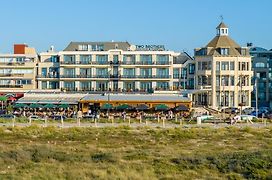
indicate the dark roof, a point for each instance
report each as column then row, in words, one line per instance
column 73, row 46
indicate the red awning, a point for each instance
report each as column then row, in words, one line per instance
column 12, row 99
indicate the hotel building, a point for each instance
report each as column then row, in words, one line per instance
column 115, row 66
column 262, row 67
column 223, row 72
column 18, row 70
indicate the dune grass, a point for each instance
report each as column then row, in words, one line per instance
column 143, row 153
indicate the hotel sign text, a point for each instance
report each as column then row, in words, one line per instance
column 150, row 47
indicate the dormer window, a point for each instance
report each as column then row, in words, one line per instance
column 83, row 47
column 224, row 51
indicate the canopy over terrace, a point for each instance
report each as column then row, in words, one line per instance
column 60, row 98
column 151, row 100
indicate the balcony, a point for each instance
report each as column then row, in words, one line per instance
column 128, row 76
column 144, row 63
column 47, row 76
column 154, row 76
column 11, row 86
column 128, row 62
column 162, row 62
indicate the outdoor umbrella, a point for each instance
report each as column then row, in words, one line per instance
column 161, row 107
column 124, row 107
column 142, row 107
column 63, row 106
column 50, row 106
column 2, row 99
column 21, row 105
column 181, row 108
column 33, row 106
column 106, row 106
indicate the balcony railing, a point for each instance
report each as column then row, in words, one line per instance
column 11, row 86
column 47, row 76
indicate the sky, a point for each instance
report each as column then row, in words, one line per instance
column 180, row 25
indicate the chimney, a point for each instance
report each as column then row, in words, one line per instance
column 20, row 48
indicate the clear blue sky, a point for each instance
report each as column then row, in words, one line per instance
column 178, row 24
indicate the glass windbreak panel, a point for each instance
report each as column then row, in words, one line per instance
column 102, row 59
column 129, row 59
column 85, row 59
column 69, row 59
column 69, row 72
column 162, row 59
column 163, row 72
column 146, row 59
column 146, row 72
column 129, row 72
column 176, row 73
column 102, row 72
column 163, row 85
column 146, row 86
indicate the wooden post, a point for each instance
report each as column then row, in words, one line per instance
column 163, row 122
column 140, row 119
column 158, row 118
column 176, row 118
column 129, row 120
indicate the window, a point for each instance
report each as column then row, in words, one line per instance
column 162, row 59
column 225, row 65
column 102, row 59
column 44, row 84
column 260, row 65
column 83, row 47
column 85, row 72
column 69, row 86
column 146, row 59
column 44, row 72
column 163, row 72
column 85, row 59
column 232, row 67
column 54, row 59
column 85, row 86
column 232, row 80
column 218, row 66
column 129, row 59
column 146, row 86
column 102, row 72
column 163, row 85
column 224, row 51
column 115, row 59
column 184, row 73
column 129, row 72
column 69, row 59
column 176, row 85
column 191, row 68
column 217, row 80
column 176, row 73
column 199, row 66
column 69, row 72
column 146, row 72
